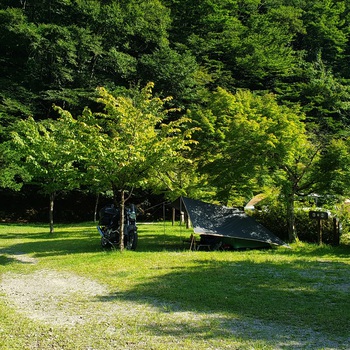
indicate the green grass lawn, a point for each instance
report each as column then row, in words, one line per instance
column 163, row 296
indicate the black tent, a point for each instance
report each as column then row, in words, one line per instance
column 224, row 225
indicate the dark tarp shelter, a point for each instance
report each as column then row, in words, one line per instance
column 229, row 226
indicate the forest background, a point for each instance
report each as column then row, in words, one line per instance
column 259, row 103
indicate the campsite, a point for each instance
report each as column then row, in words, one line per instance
column 63, row 291
column 174, row 174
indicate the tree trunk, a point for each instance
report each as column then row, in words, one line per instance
column 291, row 218
column 96, row 206
column 122, row 217
column 52, row 202
column 173, row 216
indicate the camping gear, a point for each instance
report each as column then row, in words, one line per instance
column 222, row 227
column 109, row 227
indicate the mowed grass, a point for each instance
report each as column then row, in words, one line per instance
column 233, row 299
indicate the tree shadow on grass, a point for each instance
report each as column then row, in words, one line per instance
column 149, row 242
column 65, row 242
column 314, row 250
column 5, row 260
column 40, row 231
column 244, row 333
column 52, row 247
column 291, row 298
column 36, row 239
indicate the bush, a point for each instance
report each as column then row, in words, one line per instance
column 273, row 217
column 308, row 231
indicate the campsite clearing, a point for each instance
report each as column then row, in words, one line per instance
column 64, row 292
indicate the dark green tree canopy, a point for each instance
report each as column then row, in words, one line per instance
column 59, row 51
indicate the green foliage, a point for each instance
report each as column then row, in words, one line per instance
column 46, row 149
column 247, row 140
column 342, row 212
column 174, row 73
column 326, row 26
column 334, row 167
column 250, row 142
column 12, row 173
column 266, row 51
column 44, row 153
column 62, row 46
column 307, row 229
column 271, row 213
column 323, row 97
column 53, row 49
column 129, row 144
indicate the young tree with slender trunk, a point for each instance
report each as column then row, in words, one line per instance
column 250, row 142
column 129, row 143
column 45, row 151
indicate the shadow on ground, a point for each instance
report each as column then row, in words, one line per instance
column 295, row 295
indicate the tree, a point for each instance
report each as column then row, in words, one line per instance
column 12, row 172
column 246, row 44
column 250, row 142
column 16, row 37
column 327, row 30
column 57, row 52
column 129, row 143
column 45, row 152
column 322, row 96
column 333, row 169
column 174, row 74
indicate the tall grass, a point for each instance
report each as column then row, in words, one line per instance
column 305, row 287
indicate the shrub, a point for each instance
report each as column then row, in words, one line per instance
column 273, row 217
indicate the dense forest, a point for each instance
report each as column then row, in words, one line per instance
column 218, row 100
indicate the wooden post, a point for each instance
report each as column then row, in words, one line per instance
column 187, row 220
column 319, row 216
column 182, row 217
column 319, row 228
